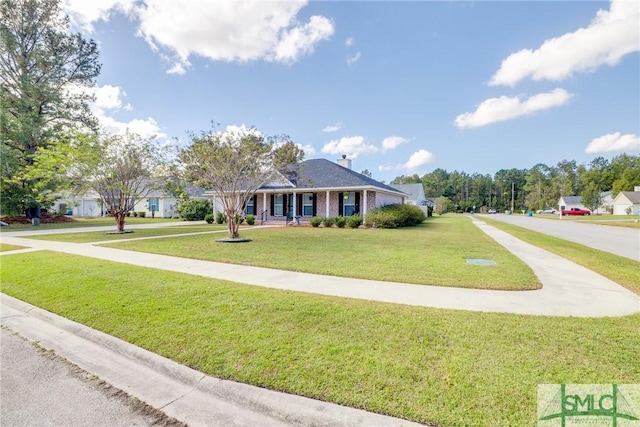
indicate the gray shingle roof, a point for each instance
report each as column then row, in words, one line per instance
column 415, row 191
column 633, row 196
column 572, row 199
column 322, row 173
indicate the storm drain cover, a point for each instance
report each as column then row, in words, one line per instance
column 480, row 261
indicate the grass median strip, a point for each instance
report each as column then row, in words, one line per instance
column 434, row 253
column 624, row 271
column 99, row 236
column 427, row 365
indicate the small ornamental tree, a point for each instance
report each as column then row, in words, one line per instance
column 121, row 169
column 234, row 164
column 592, row 197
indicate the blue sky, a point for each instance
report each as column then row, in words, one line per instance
column 400, row 87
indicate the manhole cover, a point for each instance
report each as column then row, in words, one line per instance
column 480, row 261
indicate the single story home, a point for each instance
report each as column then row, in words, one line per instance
column 156, row 203
column 627, row 201
column 415, row 194
column 569, row 202
column 319, row 187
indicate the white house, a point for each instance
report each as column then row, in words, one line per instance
column 415, row 192
column 625, row 200
column 569, row 202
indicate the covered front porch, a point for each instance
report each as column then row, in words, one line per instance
column 304, row 205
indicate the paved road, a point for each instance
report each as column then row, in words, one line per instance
column 41, row 389
column 616, row 240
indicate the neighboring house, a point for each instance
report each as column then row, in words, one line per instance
column 625, row 200
column 569, row 202
column 415, row 193
column 87, row 205
column 606, row 206
column 155, row 204
column 319, row 187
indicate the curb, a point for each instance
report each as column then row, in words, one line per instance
column 281, row 407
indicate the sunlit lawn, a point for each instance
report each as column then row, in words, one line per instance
column 447, row 367
column 98, row 236
column 434, row 253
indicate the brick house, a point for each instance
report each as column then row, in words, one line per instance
column 319, row 187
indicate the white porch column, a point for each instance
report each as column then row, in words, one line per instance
column 364, row 207
column 326, row 204
column 293, row 212
column 264, row 204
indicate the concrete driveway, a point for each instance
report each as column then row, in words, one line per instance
column 620, row 241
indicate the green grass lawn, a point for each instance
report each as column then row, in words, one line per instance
column 431, row 254
column 621, row 270
column 87, row 222
column 446, row 367
column 99, row 236
column 7, row 247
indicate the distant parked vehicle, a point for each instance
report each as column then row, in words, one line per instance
column 576, row 211
column 492, row 211
column 547, row 211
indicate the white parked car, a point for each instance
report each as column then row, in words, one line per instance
column 547, row 211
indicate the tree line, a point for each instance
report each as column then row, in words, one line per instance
column 530, row 189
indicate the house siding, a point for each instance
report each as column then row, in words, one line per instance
column 387, row 199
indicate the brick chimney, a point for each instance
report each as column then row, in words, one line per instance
column 344, row 162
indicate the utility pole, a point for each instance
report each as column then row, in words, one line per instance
column 512, row 194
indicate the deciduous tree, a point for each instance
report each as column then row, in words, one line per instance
column 121, row 169
column 234, row 164
column 43, row 71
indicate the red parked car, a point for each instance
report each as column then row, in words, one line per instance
column 576, row 211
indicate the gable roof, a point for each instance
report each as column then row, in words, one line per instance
column 572, row 199
column 415, row 191
column 632, row 196
column 325, row 174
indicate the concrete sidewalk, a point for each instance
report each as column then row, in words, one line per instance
column 197, row 399
column 178, row 391
column 567, row 288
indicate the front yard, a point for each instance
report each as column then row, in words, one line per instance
column 434, row 253
column 437, row 366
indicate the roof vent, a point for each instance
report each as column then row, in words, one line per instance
column 344, row 162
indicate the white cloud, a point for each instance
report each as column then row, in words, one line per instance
column 353, row 59
column 109, row 100
column 229, row 30
column 352, row 146
column 349, row 42
column 308, row 149
column 417, row 159
column 391, row 142
column 614, row 142
column 109, row 97
column 84, row 13
column 505, row 108
column 226, row 30
column 301, row 39
column 611, row 35
column 333, row 128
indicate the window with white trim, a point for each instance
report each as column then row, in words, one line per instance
column 278, row 205
column 307, row 204
column 349, row 204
